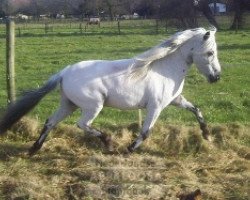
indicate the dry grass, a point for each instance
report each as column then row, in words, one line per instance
column 174, row 160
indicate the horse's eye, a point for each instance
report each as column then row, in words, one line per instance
column 210, row 53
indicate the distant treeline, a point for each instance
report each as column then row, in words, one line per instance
column 184, row 11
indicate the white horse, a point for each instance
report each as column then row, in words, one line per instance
column 152, row 81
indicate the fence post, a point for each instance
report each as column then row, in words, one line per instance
column 10, row 60
column 236, row 26
column 19, row 32
column 46, row 28
column 119, row 27
column 139, row 118
column 166, row 26
column 157, row 26
column 80, row 27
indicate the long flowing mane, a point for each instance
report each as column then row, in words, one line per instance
column 143, row 62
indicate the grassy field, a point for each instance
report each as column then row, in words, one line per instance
column 174, row 160
column 40, row 56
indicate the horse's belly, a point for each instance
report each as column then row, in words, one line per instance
column 125, row 100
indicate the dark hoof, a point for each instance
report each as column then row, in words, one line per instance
column 131, row 148
column 35, row 148
column 190, row 196
column 32, row 151
column 110, row 149
column 107, row 141
column 127, row 152
column 206, row 133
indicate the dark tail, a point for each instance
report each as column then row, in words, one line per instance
column 25, row 104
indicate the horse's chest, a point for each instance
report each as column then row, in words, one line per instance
column 164, row 93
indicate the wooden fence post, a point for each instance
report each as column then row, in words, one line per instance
column 19, row 32
column 140, row 118
column 10, row 61
column 46, row 28
column 236, row 26
column 157, row 26
column 119, row 27
column 80, row 27
column 166, row 26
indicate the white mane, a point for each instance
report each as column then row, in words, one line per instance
column 143, row 62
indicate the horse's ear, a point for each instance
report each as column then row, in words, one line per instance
column 207, row 35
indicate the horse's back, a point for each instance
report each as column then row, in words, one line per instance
column 96, row 68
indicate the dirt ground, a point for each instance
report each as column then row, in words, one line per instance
column 175, row 160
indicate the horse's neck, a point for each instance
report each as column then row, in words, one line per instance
column 175, row 65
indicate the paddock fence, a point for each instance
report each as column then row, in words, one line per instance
column 64, row 27
column 60, row 28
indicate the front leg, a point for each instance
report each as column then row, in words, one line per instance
column 181, row 102
column 149, row 122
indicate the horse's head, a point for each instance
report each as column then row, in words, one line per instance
column 205, row 56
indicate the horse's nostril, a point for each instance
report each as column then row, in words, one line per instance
column 213, row 79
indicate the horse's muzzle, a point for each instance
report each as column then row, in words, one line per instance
column 213, row 78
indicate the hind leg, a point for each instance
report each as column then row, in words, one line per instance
column 85, row 122
column 181, row 102
column 66, row 108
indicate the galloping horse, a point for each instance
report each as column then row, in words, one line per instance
column 152, row 81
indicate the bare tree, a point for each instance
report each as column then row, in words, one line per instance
column 110, row 4
column 36, row 7
column 90, row 8
column 6, row 7
column 128, row 6
column 147, row 8
column 239, row 6
column 183, row 11
column 3, row 8
column 203, row 6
